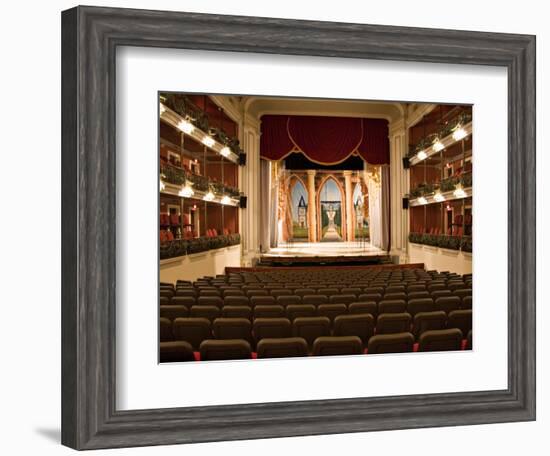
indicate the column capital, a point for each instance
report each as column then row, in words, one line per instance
column 347, row 173
column 311, row 172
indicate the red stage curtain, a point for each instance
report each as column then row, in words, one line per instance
column 325, row 140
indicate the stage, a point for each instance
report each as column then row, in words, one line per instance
column 324, row 253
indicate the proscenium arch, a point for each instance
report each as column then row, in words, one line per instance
column 324, row 180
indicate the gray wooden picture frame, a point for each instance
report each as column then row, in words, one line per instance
column 90, row 36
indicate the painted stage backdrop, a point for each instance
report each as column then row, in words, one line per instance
column 331, row 212
column 299, row 212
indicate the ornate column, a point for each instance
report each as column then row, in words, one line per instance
column 250, row 185
column 349, row 206
column 399, row 187
column 311, row 206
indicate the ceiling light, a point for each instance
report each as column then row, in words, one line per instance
column 459, row 134
column 186, row 126
column 186, row 191
column 422, row 155
column 459, row 191
column 438, row 145
column 209, row 196
column 208, row 141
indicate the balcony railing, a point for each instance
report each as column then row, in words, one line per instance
column 182, row 247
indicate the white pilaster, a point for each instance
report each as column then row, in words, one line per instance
column 250, row 184
column 399, row 187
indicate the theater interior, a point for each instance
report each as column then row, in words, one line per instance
column 296, row 227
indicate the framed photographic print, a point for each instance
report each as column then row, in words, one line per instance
column 281, row 228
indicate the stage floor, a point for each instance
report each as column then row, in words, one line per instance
column 324, row 249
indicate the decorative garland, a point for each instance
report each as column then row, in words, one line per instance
column 182, row 247
column 446, row 185
column 182, row 105
column 443, row 241
column 427, row 142
column 179, row 176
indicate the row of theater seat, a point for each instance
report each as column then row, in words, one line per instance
column 314, row 299
column 447, row 305
column 396, row 291
column 195, row 329
column 215, row 350
column 346, row 275
column 213, row 284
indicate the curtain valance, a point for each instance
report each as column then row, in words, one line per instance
column 325, row 140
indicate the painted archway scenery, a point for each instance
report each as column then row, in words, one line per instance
column 299, row 199
column 360, row 212
column 331, row 211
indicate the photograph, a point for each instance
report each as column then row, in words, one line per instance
column 315, row 251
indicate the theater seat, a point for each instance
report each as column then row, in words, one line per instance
column 391, row 343
column 415, row 306
column 176, row 351
column 288, row 300
column 351, row 290
column 393, row 323
column 269, row 311
column 187, row 301
column 331, row 346
column 427, row 321
column 304, row 291
column 368, row 297
column 392, row 306
column 165, row 330
column 363, row 308
column 360, row 325
column 315, row 300
column 300, row 310
column 210, row 301
column 461, row 319
column 262, row 301
column 310, row 328
column 342, row 299
column 236, row 301
column 237, row 312
column 440, row 293
column 280, row 292
column 466, row 302
column 172, row 312
column 192, row 330
column 271, row 328
column 190, row 292
column 448, row 303
column 331, row 311
column 282, row 347
column 232, row 328
column 329, row 291
column 166, row 293
column 209, row 312
column 395, row 296
column 440, row 340
column 216, row 350
column 232, row 292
